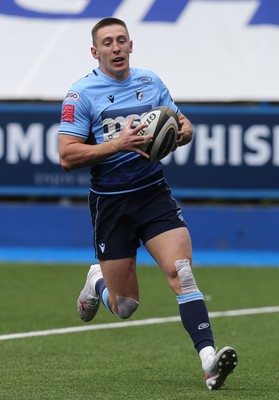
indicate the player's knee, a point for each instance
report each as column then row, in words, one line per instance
column 186, row 277
column 126, row 306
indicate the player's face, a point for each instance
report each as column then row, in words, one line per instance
column 112, row 49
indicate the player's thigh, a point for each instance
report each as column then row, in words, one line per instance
column 121, row 277
column 168, row 247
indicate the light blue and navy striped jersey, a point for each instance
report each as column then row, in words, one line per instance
column 97, row 107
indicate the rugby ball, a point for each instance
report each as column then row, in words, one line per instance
column 162, row 123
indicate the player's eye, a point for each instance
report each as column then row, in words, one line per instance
column 107, row 42
column 122, row 40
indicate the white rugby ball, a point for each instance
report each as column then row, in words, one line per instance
column 162, row 123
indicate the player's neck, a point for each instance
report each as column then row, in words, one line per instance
column 117, row 75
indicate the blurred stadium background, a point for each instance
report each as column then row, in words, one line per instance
column 220, row 61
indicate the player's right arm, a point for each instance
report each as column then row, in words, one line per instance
column 75, row 153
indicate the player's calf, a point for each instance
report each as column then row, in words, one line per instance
column 126, row 306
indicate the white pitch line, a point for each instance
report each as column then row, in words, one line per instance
column 150, row 321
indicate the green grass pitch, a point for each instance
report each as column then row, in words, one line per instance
column 152, row 362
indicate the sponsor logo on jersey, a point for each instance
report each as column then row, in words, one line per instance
column 145, row 79
column 68, row 113
column 73, row 96
column 114, row 120
column 111, row 98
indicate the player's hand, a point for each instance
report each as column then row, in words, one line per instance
column 185, row 133
column 129, row 138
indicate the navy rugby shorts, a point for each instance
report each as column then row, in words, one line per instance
column 121, row 221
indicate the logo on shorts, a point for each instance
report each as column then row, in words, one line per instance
column 102, row 247
column 180, row 216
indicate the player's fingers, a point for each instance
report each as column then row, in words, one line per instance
column 179, row 142
column 179, row 137
column 141, row 139
column 130, row 122
column 139, row 128
column 142, row 153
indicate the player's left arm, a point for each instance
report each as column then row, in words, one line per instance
column 185, row 134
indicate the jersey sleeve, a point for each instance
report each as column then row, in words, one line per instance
column 76, row 117
column 165, row 97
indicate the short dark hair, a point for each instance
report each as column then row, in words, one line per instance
column 106, row 22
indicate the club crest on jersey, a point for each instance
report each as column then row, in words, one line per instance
column 139, row 94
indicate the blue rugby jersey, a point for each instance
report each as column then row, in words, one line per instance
column 97, row 107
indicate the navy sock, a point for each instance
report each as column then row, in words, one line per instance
column 100, row 287
column 102, row 292
column 194, row 317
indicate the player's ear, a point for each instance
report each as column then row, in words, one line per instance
column 131, row 46
column 94, row 53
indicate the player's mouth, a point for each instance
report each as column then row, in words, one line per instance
column 118, row 60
